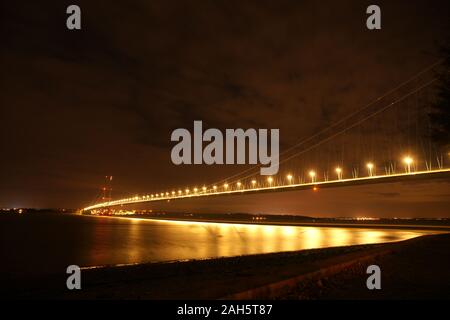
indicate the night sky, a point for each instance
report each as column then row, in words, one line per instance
column 79, row 105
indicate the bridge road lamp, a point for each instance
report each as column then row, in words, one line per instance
column 225, row 186
column 289, row 178
column 339, row 173
column 253, row 183
column 312, row 175
column 204, row 189
column 215, row 188
column 270, row 180
column 370, row 169
column 408, row 162
column 238, row 184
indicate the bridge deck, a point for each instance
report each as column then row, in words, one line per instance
column 429, row 174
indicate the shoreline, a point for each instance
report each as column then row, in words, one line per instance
column 439, row 228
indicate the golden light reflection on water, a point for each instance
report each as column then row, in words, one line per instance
column 133, row 240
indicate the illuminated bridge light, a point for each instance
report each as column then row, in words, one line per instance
column 187, row 190
column 339, row 173
column 195, row 190
column 253, row 183
column 408, row 161
column 180, row 192
column 289, row 178
column 204, row 189
column 370, row 168
column 269, row 180
column 312, row 175
column 225, row 186
column 173, row 193
column 238, row 184
column 214, row 188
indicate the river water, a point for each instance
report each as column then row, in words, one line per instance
column 49, row 243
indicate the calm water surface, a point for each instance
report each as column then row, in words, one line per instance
column 49, row 243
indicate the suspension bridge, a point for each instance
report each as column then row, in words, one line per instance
column 387, row 140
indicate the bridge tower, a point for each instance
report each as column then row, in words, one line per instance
column 107, row 189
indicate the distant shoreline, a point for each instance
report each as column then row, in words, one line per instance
column 349, row 224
